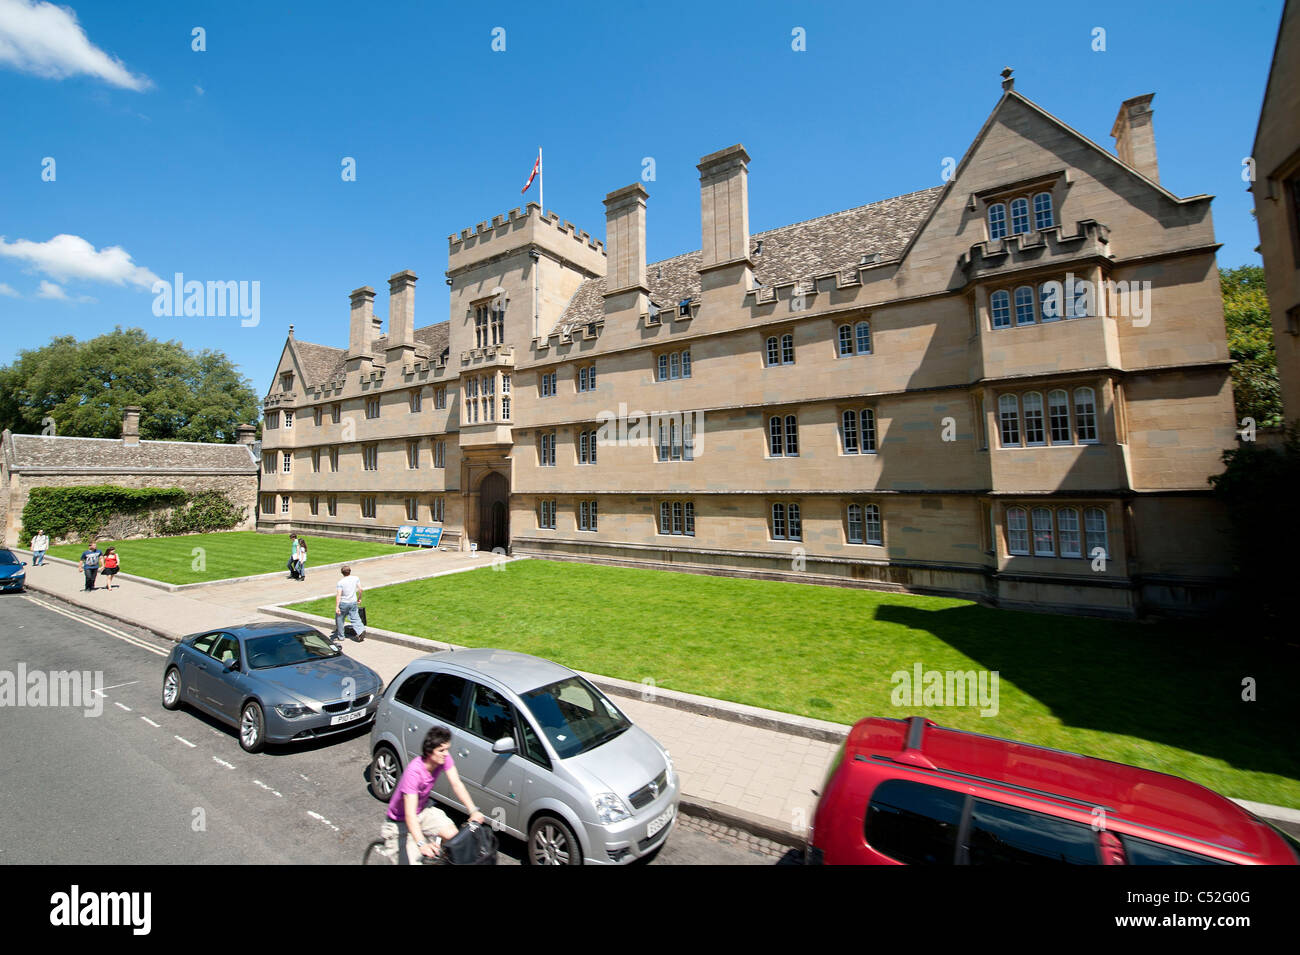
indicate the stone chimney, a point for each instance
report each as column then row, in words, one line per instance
column 131, row 425
column 245, row 434
column 363, row 313
column 724, row 206
column 361, row 329
column 626, row 281
column 401, row 317
column 1135, row 137
column 724, row 221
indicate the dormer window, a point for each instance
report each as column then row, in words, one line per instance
column 1043, row 218
column 997, row 221
column 1020, row 210
column 1019, row 216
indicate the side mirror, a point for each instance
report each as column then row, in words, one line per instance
column 232, row 665
column 504, row 745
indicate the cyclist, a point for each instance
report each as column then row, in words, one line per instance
column 412, row 821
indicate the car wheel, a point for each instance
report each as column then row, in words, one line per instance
column 552, row 842
column 171, row 695
column 385, row 771
column 252, row 728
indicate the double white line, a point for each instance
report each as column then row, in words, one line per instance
column 104, row 628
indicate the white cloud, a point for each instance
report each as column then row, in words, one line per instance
column 199, row 90
column 40, row 38
column 72, row 257
column 9, row 290
column 51, row 291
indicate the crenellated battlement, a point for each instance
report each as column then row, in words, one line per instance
column 488, row 230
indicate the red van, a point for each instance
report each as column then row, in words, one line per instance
column 910, row 792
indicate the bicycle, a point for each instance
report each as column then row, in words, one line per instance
column 377, row 853
column 481, row 849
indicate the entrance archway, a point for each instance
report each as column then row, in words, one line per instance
column 494, row 512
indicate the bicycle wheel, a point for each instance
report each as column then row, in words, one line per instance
column 377, row 855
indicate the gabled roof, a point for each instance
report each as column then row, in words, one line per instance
column 1287, row 10
column 829, row 243
column 1008, row 96
column 321, row 363
column 317, row 361
column 35, row 452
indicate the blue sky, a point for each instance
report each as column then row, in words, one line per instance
column 225, row 164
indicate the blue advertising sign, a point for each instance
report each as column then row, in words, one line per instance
column 417, row 536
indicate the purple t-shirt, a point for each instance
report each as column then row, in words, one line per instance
column 415, row 779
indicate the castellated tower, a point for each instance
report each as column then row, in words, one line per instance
column 524, row 263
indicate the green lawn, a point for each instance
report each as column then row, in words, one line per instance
column 173, row 560
column 1162, row 696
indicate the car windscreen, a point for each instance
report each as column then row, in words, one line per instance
column 575, row 716
column 286, row 649
column 7, row 557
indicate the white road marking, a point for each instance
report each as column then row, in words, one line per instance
column 111, row 631
column 258, row 782
column 186, row 742
column 127, row 708
column 318, row 816
column 150, row 722
column 222, row 762
column 114, row 687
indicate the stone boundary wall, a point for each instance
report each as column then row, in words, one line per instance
column 241, row 489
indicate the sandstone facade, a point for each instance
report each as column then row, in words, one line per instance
column 1276, row 188
column 889, row 396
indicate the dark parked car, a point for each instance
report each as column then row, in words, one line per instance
column 13, row 572
column 274, row 682
column 911, row 792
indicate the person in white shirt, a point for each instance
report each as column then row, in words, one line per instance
column 347, row 596
column 40, row 544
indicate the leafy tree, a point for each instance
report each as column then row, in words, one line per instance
column 1255, row 387
column 84, row 387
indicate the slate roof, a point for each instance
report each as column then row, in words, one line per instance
column 29, row 452
column 830, row 243
column 320, row 363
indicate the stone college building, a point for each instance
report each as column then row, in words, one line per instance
column 1012, row 387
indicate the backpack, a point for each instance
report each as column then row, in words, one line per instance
column 473, row 845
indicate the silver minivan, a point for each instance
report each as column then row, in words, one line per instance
column 545, row 755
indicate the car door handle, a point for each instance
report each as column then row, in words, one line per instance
column 410, row 727
column 462, row 753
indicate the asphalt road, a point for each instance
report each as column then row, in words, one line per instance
column 116, row 779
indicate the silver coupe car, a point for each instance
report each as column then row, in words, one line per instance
column 274, row 682
column 542, row 752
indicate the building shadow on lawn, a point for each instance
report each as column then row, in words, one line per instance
column 1177, row 684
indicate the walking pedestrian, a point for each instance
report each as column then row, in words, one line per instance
column 90, row 564
column 110, row 568
column 293, row 557
column 302, row 558
column 40, row 544
column 347, row 597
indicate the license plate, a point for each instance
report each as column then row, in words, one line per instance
column 347, row 718
column 660, row 821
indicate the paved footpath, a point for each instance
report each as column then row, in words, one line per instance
column 742, row 766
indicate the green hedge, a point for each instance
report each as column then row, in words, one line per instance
column 83, row 511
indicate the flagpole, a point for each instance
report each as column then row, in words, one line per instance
column 541, row 182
